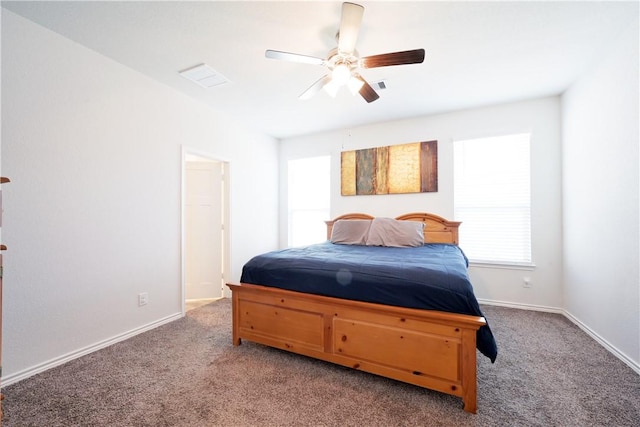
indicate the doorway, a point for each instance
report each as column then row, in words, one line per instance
column 205, row 242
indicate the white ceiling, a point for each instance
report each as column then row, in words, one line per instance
column 477, row 53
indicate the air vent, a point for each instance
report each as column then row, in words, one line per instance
column 204, row 76
column 379, row 85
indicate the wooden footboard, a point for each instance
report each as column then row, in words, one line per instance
column 431, row 349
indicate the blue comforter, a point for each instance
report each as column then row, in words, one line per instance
column 432, row 277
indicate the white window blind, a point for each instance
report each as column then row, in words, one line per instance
column 309, row 199
column 492, row 198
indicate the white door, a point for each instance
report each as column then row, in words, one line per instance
column 204, row 228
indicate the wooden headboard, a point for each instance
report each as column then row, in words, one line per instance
column 436, row 228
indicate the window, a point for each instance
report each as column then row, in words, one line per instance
column 309, row 198
column 492, row 198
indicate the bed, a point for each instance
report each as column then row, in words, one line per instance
column 371, row 307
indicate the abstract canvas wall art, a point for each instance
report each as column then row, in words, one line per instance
column 394, row 169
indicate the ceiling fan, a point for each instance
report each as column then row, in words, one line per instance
column 343, row 61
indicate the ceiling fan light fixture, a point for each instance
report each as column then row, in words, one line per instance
column 355, row 84
column 332, row 88
column 341, row 74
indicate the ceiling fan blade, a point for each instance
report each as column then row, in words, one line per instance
column 415, row 56
column 366, row 91
column 316, row 87
column 349, row 27
column 293, row 57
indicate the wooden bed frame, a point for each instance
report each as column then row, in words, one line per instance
column 431, row 349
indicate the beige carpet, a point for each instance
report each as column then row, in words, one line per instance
column 187, row 373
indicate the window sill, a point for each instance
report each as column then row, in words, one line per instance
column 503, row 265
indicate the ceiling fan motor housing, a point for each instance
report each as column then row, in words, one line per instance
column 336, row 58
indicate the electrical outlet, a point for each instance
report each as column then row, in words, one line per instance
column 526, row 282
column 143, row 299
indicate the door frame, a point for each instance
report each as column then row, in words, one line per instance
column 226, row 264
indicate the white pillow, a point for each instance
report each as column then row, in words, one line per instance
column 350, row 231
column 392, row 232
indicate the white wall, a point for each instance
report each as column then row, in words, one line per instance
column 92, row 215
column 541, row 117
column 600, row 116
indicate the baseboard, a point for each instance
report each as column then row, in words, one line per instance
column 607, row 345
column 26, row 373
column 620, row 355
column 521, row 306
